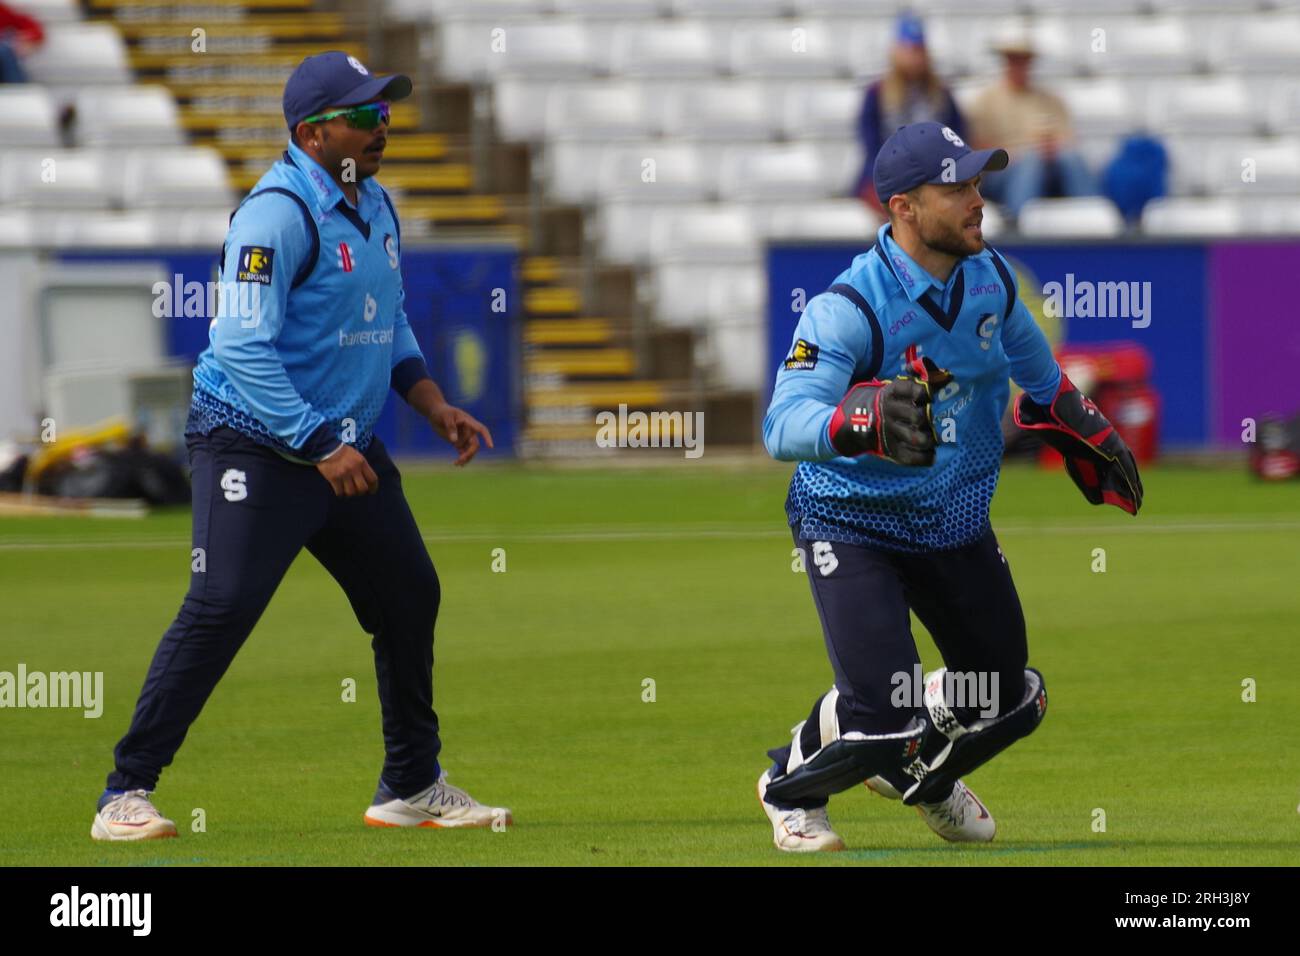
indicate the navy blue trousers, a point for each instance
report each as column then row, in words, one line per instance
column 966, row 600
column 254, row 511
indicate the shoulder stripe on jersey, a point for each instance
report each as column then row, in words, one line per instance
column 393, row 212
column 309, row 264
column 1005, row 273
column 877, row 334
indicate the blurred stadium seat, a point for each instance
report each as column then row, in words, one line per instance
column 127, row 116
column 1183, row 216
column 28, row 116
column 80, row 54
column 56, row 178
column 1091, row 217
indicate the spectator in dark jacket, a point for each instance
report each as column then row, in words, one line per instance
column 19, row 36
column 909, row 93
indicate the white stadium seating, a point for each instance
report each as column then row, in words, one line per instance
column 598, row 111
column 80, row 53
column 1093, row 218
column 55, row 178
column 1255, row 166
column 663, row 49
column 1182, row 216
column 772, row 171
column 1220, row 106
column 128, row 116
column 28, row 116
column 49, row 11
column 185, row 176
column 700, row 233
column 786, row 48
column 1260, row 44
column 727, row 110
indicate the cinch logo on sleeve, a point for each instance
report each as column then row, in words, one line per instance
column 255, row 264
column 802, row 356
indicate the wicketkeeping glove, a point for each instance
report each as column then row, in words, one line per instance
column 891, row 419
column 1095, row 456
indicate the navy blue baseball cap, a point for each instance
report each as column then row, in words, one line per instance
column 920, row 153
column 336, row 79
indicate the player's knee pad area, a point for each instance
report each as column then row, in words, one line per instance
column 825, row 759
column 973, row 746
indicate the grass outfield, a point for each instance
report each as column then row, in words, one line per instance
column 681, row 574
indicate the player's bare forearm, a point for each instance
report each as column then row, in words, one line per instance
column 426, row 397
column 459, row 427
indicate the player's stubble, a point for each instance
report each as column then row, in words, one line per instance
column 949, row 238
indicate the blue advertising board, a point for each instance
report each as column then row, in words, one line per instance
column 463, row 307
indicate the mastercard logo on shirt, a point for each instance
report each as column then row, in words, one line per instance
column 255, row 264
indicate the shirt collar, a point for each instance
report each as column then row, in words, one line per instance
column 328, row 193
column 910, row 276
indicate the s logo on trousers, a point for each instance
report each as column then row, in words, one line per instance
column 824, row 558
column 232, row 483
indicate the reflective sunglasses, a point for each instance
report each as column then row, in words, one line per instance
column 366, row 116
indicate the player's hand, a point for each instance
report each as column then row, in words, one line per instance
column 891, row 419
column 1095, row 456
column 349, row 473
column 461, row 429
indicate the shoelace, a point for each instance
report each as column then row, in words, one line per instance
column 444, row 794
column 808, row 821
column 953, row 809
column 131, row 805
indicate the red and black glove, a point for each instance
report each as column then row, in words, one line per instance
column 1095, row 456
column 891, row 419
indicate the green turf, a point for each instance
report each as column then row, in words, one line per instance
column 681, row 574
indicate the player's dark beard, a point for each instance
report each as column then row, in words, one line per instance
column 357, row 173
column 941, row 237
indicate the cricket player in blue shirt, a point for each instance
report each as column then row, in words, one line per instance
column 302, row 355
column 891, row 401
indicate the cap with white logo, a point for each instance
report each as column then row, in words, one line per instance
column 929, row 153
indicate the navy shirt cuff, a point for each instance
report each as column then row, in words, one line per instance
column 320, row 443
column 406, row 373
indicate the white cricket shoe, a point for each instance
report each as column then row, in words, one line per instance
column 799, row 830
column 962, row 818
column 440, row 805
column 130, row 816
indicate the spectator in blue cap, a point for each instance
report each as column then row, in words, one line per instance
column 909, row 93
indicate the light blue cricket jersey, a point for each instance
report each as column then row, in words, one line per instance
column 975, row 326
column 330, row 334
